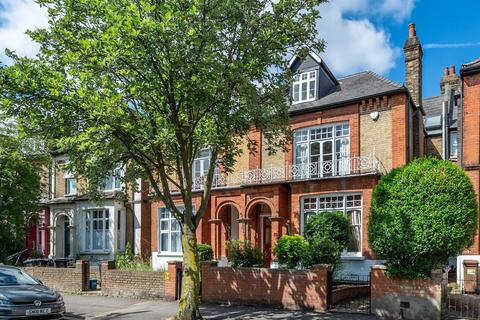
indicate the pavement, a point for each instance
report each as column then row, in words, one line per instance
column 99, row 307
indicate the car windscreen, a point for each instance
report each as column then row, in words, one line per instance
column 11, row 277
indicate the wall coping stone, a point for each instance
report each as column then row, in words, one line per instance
column 379, row 267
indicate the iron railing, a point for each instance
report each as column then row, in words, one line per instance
column 343, row 166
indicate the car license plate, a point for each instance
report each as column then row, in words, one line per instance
column 34, row 312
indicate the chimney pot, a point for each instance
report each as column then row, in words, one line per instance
column 445, row 71
column 411, row 30
column 452, row 70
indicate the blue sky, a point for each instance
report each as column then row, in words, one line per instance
column 360, row 34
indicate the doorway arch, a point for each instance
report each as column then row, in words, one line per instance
column 228, row 216
column 260, row 228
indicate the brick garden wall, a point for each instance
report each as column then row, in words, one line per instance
column 128, row 283
column 62, row 279
column 285, row 288
column 405, row 299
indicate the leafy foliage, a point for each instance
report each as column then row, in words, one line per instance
column 19, row 194
column 205, row 252
column 290, row 250
column 126, row 261
column 422, row 214
column 151, row 83
column 328, row 234
column 244, row 254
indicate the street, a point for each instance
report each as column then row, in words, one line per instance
column 98, row 307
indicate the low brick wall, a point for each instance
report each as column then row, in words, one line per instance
column 62, row 279
column 127, row 283
column 285, row 288
column 406, row 299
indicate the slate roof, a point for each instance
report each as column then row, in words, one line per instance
column 433, row 106
column 474, row 65
column 351, row 88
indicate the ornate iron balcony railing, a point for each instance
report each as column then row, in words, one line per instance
column 344, row 166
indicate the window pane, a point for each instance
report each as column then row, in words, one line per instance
column 176, row 242
column 304, row 76
column 164, row 214
column 355, row 220
column 296, row 92
column 304, row 91
column 164, row 225
column 164, row 241
column 108, row 185
column 88, row 233
column 98, row 239
column 311, row 91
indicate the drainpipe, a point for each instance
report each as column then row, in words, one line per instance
column 444, row 130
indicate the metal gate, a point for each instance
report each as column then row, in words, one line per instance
column 349, row 293
column 462, row 300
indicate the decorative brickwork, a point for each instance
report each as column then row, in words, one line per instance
column 63, row 279
column 406, row 299
column 285, row 288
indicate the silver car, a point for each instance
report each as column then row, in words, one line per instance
column 24, row 297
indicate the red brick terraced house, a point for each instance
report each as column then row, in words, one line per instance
column 347, row 133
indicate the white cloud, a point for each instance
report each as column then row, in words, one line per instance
column 450, row 45
column 17, row 16
column 354, row 43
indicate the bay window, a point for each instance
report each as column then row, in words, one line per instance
column 349, row 204
column 169, row 232
column 322, row 151
column 97, row 237
column 304, row 87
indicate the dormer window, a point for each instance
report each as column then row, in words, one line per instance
column 304, row 87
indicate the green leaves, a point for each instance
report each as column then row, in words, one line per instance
column 422, row 214
column 290, row 250
column 19, row 193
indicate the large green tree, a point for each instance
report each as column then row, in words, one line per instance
column 422, row 213
column 149, row 83
column 19, row 192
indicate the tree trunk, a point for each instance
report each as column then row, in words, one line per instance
column 190, row 300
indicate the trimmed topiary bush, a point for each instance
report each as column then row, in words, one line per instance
column 243, row 254
column 422, row 214
column 290, row 250
column 328, row 234
column 205, row 252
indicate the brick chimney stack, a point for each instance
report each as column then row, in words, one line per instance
column 450, row 77
column 413, row 65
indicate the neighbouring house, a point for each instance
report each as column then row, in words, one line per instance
column 70, row 225
column 347, row 132
column 452, row 133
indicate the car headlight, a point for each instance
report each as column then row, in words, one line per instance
column 59, row 298
column 5, row 302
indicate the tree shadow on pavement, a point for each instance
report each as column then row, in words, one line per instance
column 218, row 312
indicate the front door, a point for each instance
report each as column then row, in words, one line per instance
column 267, row 241
column 66, row 238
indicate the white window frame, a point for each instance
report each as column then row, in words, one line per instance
column 340, row 132
column 116, row 177
column 169, row 231
column 67, row 175
column 451, row 144
column 299, row 81
column 88, row 231
column 315, row 209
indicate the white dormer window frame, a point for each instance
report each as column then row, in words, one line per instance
column 304, row 87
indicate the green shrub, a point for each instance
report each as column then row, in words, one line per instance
column 328, row 234
column 243, row 254
column 126, row 261
column 290, row 250
column 421, row 214
column 205, row 252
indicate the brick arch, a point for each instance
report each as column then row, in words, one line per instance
column 224, row 204
column 260, row 200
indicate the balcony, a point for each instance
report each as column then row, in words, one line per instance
column 344, row 167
